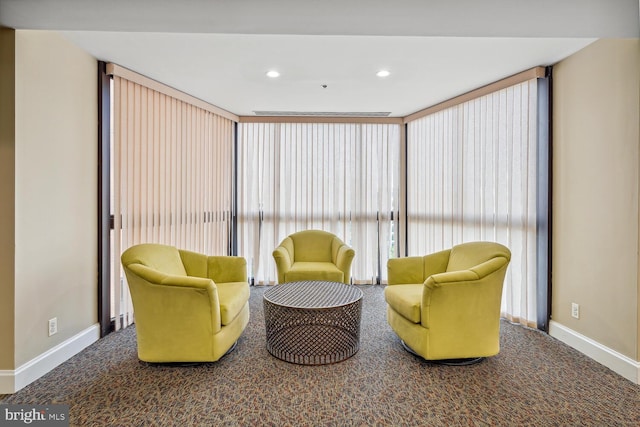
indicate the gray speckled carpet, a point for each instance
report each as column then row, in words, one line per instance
column 534, row 381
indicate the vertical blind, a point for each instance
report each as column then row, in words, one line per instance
column 338, row 177
column 172, row 178
column 471, row 175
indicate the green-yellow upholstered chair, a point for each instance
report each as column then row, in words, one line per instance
column 446, row 306
column 188, row 307
column 313, row 255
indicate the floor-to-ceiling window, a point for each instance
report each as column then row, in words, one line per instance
column 172, row 175
column 472, row 174
column 468, row 172
column 338, row 177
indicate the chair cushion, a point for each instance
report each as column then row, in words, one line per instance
column 406, row 300
column 232, row 296
column 314, row 271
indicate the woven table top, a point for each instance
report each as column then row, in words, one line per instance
column 313, row 294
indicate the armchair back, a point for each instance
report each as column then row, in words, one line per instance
column 471, row 254
column 313, row 246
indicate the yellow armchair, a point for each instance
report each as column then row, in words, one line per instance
column 446, row 306
column 313, row 255
column 188, row 307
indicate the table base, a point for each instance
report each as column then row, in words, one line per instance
column 313, row 336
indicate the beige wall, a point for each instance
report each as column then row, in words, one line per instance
column 596, row 139
column 55, row 191
column 7, row 196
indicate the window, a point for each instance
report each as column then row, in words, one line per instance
column 472, row 175
column 338, row 177
column 172, row 175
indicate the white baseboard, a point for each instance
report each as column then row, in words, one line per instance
column 619, row 363
column 12, row 381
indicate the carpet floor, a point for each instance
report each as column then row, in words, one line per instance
column 535, row 380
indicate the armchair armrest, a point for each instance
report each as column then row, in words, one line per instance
column 406, row 270
column 200, row 283
column 157, row 278
column 344, row 257
column 283, row 262
column 147, row 273
column 458, row 298
column 490, row 266
column 201, row 296
column 442, row 279
column 225, row 269
column 187, row 282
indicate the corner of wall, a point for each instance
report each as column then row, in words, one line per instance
column 7, row 198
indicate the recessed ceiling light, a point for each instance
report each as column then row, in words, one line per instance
column 273, row 74
column 383, row 73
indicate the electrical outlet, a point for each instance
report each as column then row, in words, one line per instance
column 575, row 310
column 53, row 326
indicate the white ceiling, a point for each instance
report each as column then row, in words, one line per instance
column 219, row 51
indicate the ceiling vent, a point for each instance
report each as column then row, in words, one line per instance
column 324, row 113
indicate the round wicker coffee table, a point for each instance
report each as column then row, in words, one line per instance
column 313, row 322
